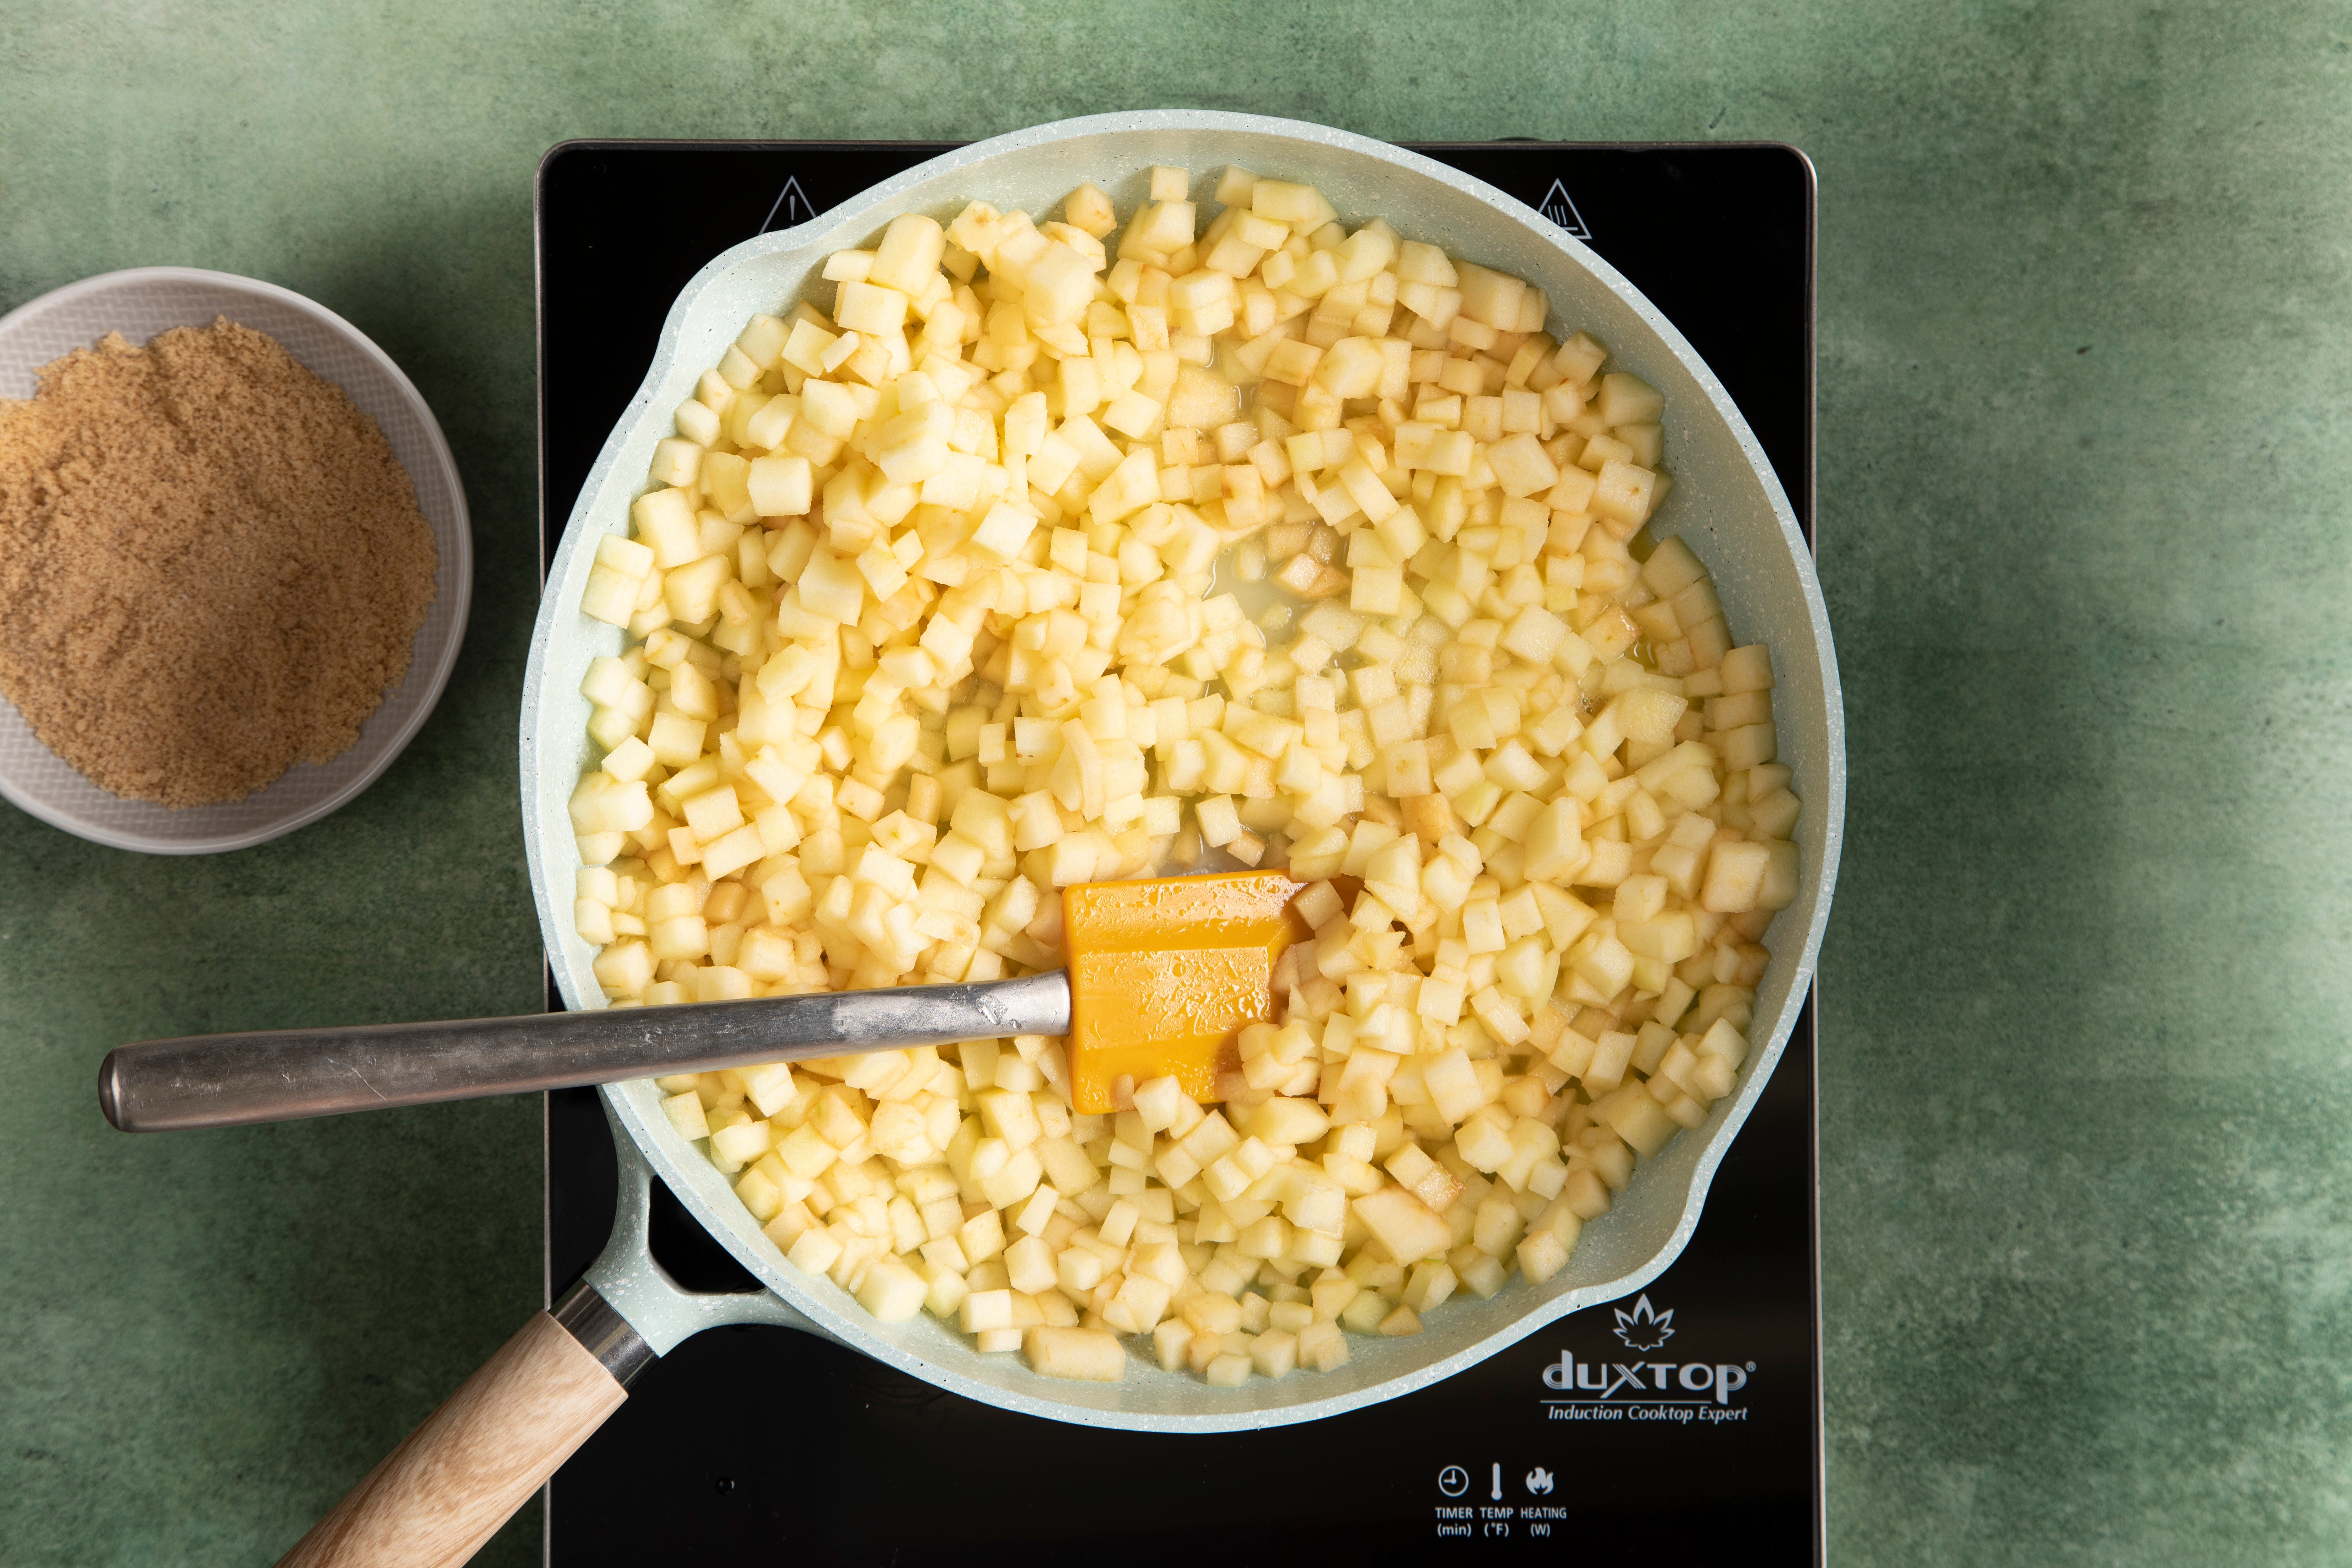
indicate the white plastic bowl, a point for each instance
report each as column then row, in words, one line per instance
column 1725, row 501
column 140, row 303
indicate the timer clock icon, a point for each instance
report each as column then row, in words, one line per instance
column 1453, row 1480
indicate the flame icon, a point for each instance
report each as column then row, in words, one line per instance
column 1643, row 1329
column 1538, row 1481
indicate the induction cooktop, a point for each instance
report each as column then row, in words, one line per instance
column 1680, row 1423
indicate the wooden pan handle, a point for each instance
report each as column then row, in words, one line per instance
column 436, row 1499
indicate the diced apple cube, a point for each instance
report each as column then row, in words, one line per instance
column 780, row 486
column 1274, row 1354
column 892, row 1291
column 815, row 1252
column 685, row 1112
column 1403, row 1224
column 1641, row 1121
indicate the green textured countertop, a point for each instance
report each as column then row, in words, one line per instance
column 2088, row 1255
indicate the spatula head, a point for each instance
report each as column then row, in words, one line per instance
column 1164, row 973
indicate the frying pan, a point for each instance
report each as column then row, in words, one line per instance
column 474, row 1460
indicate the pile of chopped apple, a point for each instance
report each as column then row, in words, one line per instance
column 1061, row 552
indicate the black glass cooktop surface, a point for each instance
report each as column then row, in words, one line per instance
column 1676, row 1425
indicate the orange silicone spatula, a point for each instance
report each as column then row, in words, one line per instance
column 1162, row 975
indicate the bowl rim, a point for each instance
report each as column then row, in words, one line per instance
column 437, row 669
column 627, row 1103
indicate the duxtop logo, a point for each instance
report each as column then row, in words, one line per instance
column 1643, row 1330
column 1643, row 1390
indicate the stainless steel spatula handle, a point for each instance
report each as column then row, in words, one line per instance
column 283, row 1075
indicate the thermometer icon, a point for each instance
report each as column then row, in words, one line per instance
column 1497, row 1493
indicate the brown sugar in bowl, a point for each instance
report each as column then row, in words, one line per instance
column 138, row 305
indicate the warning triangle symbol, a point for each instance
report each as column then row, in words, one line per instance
column 1562, row 210
column 793, row 206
